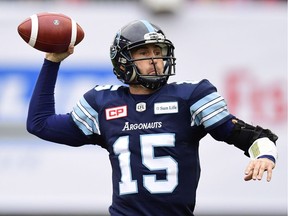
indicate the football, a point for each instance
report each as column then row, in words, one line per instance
column 50, row 32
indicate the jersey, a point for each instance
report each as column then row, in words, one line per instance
column 153, row 142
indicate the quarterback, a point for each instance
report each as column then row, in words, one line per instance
column 151, row 128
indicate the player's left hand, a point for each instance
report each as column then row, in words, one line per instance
column 257, row 167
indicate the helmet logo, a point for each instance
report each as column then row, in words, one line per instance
column 113, row 48
column 153, row 37
column 113, row 52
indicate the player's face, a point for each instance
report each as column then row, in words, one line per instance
column 152, row 63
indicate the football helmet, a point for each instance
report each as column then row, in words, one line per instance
column 135, row 35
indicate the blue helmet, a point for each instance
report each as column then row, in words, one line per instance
column 133, row 35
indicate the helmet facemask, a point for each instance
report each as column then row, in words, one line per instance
column 161, row 74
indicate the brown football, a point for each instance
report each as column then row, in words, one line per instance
column 50, row 32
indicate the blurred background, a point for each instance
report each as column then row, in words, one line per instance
column 239, row 45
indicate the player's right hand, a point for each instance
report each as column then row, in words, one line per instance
column 58, row 57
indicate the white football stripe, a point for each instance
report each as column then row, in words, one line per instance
column 74, row 32
column 34, row 30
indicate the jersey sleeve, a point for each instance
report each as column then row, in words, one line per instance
column 42, row 120
column 208, row 107
column 85, row 116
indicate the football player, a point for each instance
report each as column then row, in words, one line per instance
column 150, row 128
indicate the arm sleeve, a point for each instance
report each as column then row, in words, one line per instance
column 42, row 120
column 242, row 135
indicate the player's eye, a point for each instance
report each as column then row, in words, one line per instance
column 143, row 52
column 158, row 53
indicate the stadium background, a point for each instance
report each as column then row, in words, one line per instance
column 240, row 46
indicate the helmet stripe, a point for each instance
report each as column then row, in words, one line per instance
column 148, row 25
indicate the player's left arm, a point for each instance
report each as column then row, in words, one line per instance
column 209, row 109
column 256, row 142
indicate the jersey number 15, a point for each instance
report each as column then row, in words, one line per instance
column 147, row 143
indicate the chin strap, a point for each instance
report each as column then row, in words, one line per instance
column 152, row 83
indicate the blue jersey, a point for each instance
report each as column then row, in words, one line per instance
column 152, row 142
